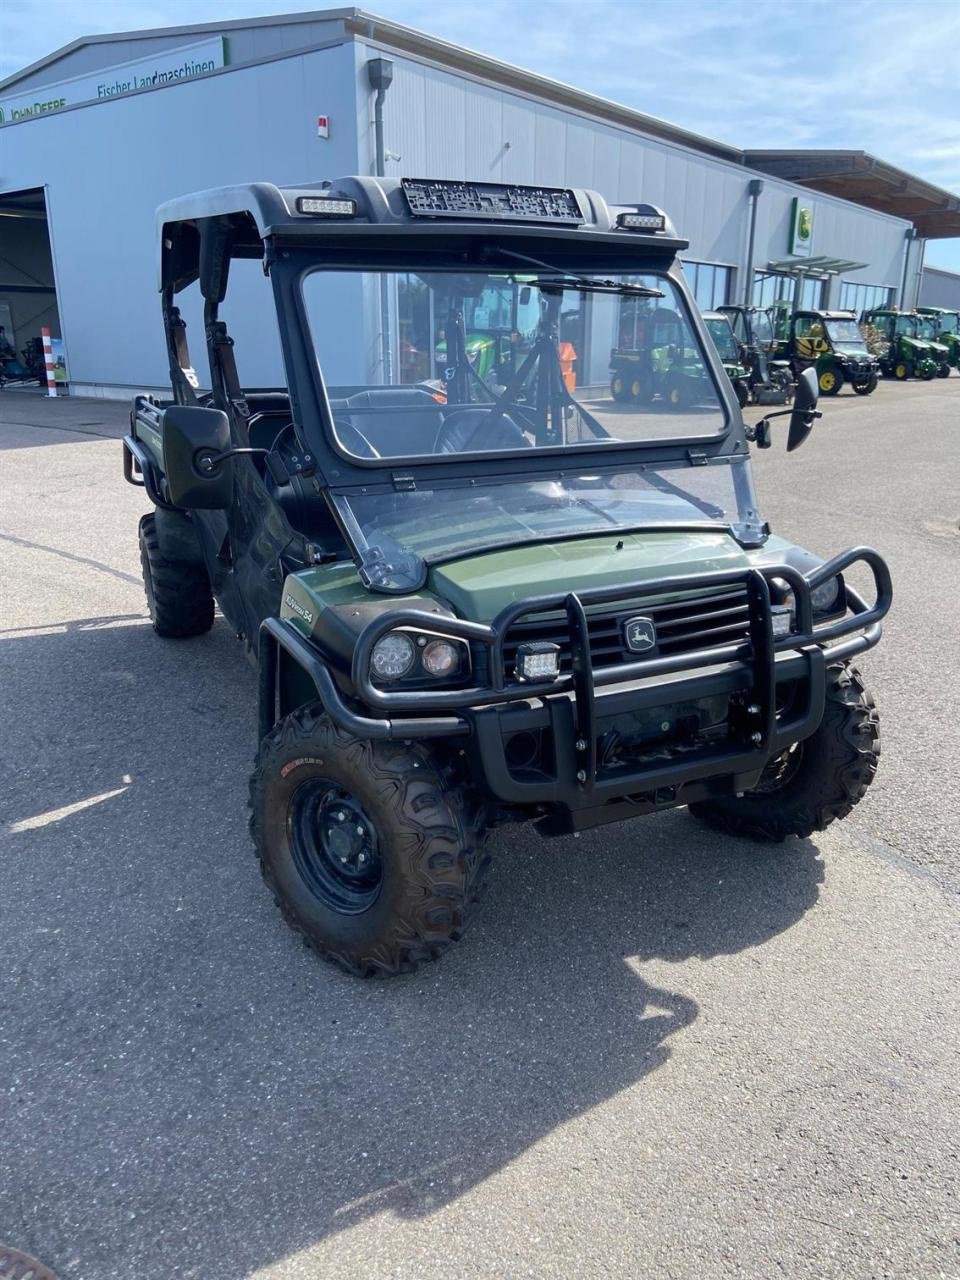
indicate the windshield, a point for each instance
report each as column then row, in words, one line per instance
column 723, row 339
column 424, row 363
column 927, row 328
column 401, row 531
column 844, row 333
column 907, row 325
column 950, row 322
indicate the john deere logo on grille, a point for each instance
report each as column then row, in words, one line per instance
column 640, row 634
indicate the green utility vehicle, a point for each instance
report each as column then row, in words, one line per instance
column 894, row 336
column 721, row 331
column 928, row 329
column 480, row 607
column 770, row 380
column 830, row 342
column 654, row 359
column 947, row 330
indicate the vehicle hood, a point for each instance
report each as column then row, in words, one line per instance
column 916, row 344
column 479, row 586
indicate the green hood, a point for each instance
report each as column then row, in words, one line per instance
column 478, row 587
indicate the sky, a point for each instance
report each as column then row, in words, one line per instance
column 881, row 76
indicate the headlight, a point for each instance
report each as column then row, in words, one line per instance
column 441, row 657
column 393, row 655
column 419, row 657
column 826, row 597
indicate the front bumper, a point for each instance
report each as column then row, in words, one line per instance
column 570, row 712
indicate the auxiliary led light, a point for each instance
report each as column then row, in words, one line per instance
column 324, row 207
column 538, row 660
column 641, row 221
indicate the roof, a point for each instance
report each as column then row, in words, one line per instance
column 864, row 179
column 571, row 220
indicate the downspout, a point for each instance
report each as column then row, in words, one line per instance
column 380, row 73
column 754, row 187
column 909, row 236
column 923, row 254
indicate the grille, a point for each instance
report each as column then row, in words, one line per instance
column 696, row 621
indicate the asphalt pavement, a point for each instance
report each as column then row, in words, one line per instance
column 659, row 1052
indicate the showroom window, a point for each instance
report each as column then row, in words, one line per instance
column 709, row 282
column 863, row 297
column 769, row 288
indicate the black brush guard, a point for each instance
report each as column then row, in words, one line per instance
column 571, row 705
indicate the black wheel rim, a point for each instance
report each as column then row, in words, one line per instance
column 781, row 769
column 334, row 846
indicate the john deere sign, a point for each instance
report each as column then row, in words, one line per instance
column 801, row 229
column 172, row 66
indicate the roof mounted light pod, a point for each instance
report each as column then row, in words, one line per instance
column 326, row 207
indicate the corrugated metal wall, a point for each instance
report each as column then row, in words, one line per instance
column 940, row 288
column 441, row 124
column 108, row 166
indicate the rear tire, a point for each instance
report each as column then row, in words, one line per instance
column 178, row 592
column 830, row 381
column 815, row 782
column 393, row 882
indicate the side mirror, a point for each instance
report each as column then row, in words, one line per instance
column 524, row 295
column 193, row 439
column 804, row 412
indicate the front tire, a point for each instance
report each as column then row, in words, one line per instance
column 816, row 781
column 830, row 381
column 865, row 388
column 943, row 371
column 391, row 882
column 178, row 591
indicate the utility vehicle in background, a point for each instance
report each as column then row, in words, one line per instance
column 469, row 606
column 721, row 331
column 894, row 337
column 769, row 379
column 830, row 343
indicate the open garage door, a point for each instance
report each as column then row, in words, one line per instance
column 28, row 297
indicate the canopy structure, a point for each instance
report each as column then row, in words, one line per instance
column 863, row 179
column 816, row 268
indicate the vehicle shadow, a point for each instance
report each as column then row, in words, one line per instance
column 187, row 1090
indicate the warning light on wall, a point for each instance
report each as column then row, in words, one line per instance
column 323, row 126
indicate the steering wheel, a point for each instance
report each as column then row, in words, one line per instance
column 353, row 439
column 460, row 430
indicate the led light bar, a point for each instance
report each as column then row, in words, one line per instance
column 326, row 207
column 641, row 221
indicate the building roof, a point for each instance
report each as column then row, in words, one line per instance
column 853, row 176
column 864, row 179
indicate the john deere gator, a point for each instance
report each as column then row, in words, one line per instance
column 831, row 343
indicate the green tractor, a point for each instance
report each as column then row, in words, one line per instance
column 895, row 339
column 769, row 380
column 929, row 330
column 501, row 322
column 830, row 342
column 721, row 331
column 947, row 328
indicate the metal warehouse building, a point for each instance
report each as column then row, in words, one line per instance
column 94, row 137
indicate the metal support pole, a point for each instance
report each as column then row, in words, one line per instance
column 909, row 236
column 380, row 74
